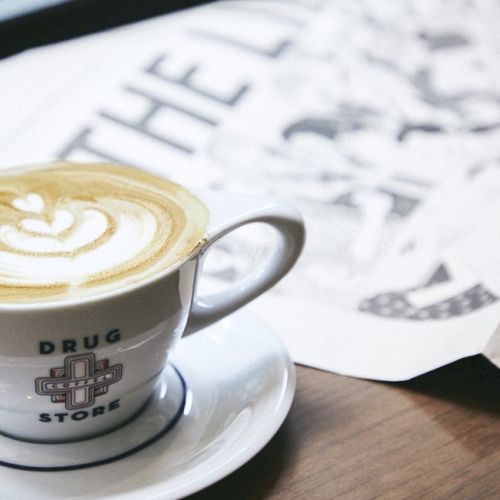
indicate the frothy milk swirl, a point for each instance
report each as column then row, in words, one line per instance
column 69, row 230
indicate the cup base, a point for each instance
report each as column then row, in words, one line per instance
column 162, row 413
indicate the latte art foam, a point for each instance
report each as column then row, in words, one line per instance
column 69, row 230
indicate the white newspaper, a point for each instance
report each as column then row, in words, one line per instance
column 379, row 120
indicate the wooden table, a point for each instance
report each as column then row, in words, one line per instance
column 437, row 436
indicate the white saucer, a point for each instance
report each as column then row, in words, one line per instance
column 240, row 385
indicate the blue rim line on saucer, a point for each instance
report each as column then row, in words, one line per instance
column 170, row 425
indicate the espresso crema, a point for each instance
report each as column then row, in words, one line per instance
column 70, row 230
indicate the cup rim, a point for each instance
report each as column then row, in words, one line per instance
column 65, row 304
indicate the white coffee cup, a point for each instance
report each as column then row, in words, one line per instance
column 74, row 369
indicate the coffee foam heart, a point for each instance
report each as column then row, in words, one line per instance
column 69, row 230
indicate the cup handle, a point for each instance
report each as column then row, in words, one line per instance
column 228, row 212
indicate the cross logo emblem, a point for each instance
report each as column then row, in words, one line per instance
column 79, row 381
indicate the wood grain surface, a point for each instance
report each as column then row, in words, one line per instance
column 436, row 436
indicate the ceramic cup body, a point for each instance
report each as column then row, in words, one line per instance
column 81, row 370
column 74, row 370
